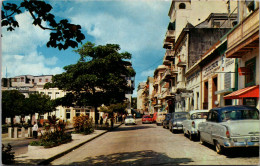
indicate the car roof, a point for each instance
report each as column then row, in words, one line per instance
column 180, row 112
column 195, row 111
column 237, row 107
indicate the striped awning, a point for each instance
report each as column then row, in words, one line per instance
column 252, row 91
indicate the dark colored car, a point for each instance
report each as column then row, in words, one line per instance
column 177, row 118
column 166, row 121
column 147, row 119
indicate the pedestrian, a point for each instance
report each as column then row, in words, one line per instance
column 35, row 130
column 101, row 121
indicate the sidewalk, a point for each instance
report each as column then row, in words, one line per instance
column 43, row 156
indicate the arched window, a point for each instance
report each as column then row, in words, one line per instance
column 182, row 6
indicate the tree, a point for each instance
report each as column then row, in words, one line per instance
column 37, row 103
column 12, row 104
column 63, row 34
column 99, row 77
column 134, row 103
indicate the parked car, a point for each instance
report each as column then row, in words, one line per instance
column 175, row 123
column 231, row 126
column 154, row 116
column 129, row 120
column 160, row 117
column 147, row 119
column 166, row 121
column 190, row 125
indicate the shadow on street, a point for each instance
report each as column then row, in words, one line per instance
column 147, row 157
column 131, row 127
column 237, row 152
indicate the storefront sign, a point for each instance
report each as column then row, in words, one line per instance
column 211, row 68
column 187, row 95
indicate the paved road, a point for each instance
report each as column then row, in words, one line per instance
column 148, row 144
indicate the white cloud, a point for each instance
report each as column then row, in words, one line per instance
column 19, row 50
column 31, row 64
column 147, row 73
column 133, row 30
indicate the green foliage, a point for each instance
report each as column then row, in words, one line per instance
column 118, row 107
column 99, row 77
column 37, row 103
column 83, row 124
column 7, row 155
column 63, row 34
column 12, row 104
column 53, row 138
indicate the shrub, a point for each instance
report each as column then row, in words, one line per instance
column 83, row 124
column 7, row 155
column 53, row 138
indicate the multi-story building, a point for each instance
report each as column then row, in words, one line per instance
column 190, row 21
column 243, row 44
column 28, row 84
column 140, row 91
column 159, row 87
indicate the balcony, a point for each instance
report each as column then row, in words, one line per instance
column 167, row 45
column 155, row 83
column 167, row 94
column 181, row 62
column 169, row 55
column 174, row 70
column 245, row 37
column 170, row 36
column 166, row 61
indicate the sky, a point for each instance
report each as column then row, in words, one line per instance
column 138, row 26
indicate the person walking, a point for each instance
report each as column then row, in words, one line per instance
column 35, row 130
column 101, row 121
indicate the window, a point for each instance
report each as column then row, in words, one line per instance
column 46, row 80
column 67, row 114
column 87, row 112
column 42, row 93
column 250, row 74
column 40, row 80
column 41, row 116
column 182, row 6
column 22, row 79
column 15, row 79
column 57, row 94
column 49, row 93
column 214, row 116
column 77, row 112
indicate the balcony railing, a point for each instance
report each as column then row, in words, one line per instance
column 170, row 36
column 169, row 54
column 244, row 37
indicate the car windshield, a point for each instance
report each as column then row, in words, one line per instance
column 128, row 117
column 147, row 117
column 199, row 115
column 239, row 115
column 151, row 115
column 180, row 116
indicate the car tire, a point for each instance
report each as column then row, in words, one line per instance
column 201, row 140
column 190, row 136
column 219, row 148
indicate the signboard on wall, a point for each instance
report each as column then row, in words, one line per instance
column 211, row 68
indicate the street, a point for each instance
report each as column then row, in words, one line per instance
column 148, row 144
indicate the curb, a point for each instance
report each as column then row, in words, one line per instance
column 47, row 161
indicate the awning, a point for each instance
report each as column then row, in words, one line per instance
column 252, row 91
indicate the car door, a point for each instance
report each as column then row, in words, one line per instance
column 186, row 124
column 213, row 126
column 205, row 129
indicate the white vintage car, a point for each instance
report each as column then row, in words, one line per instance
column 129, row 120
column 231, row 126
column 190, row 126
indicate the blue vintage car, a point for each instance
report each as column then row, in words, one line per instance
column 231, row 126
